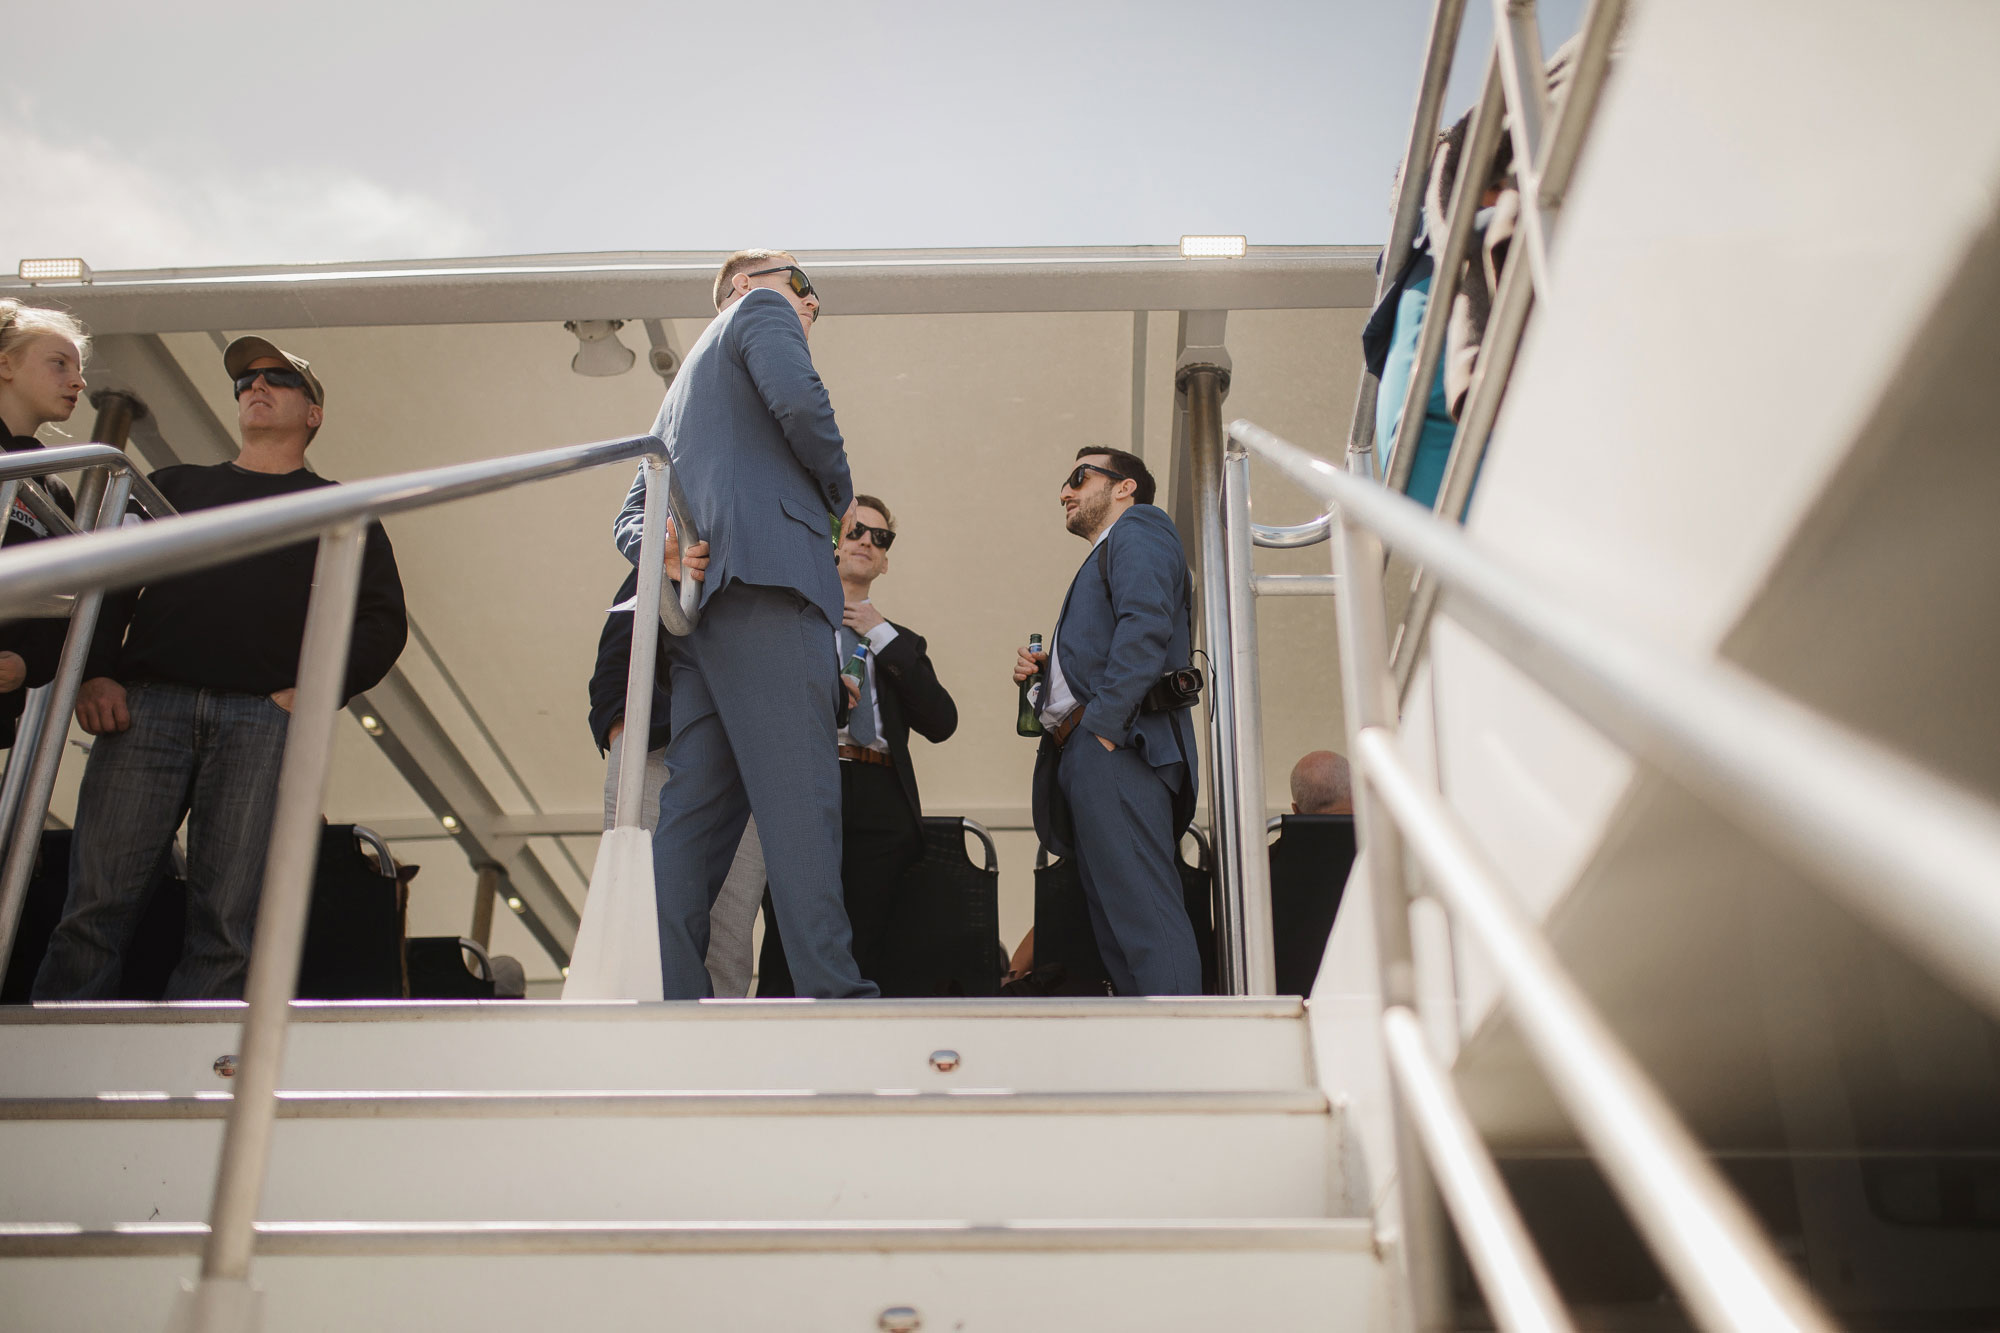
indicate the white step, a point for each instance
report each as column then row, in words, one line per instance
column 631, row 1157
column 832, row 1046
column 1302, row 1277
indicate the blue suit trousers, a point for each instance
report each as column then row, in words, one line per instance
column 1124, row 815
column 753, row 729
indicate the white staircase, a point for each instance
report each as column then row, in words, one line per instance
column 966, row 1165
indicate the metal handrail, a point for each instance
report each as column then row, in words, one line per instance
column 1281, row 537
column 1907, row 849
column 1518, row 1289
column 1706, row 1239
column 75, row 458
column 339, row 516
column 193, row 541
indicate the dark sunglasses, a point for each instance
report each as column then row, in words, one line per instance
column 882, row 537
column 276, row 377
column 1082, row 474
column 801, row 285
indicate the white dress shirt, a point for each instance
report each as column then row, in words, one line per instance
column 878, row 638
column 1058, row 702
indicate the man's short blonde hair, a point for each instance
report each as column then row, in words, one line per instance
column 743, row 261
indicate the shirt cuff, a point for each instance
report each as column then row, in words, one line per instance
column 881, row 637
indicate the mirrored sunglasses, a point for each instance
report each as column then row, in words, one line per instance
column 277, row 377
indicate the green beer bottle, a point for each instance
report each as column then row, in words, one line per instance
column 1030, row 723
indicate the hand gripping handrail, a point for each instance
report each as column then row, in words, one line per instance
column 339, row 517
column 1906, row 850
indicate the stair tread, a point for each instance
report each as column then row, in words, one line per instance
column 307, row 1239
column 671, row 1102
column 500, row 1011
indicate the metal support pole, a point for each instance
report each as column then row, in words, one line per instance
column 1203, row 382
column 1517, row 42
column 27, row 735
column 96, row 506
column 117, row 409
column 1370, row 698
column 1253, row 870
column 645, row 649
column 484, row 891
column 219, row 1302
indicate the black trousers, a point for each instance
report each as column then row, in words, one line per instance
column 880, row 840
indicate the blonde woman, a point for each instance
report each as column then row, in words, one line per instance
column 41, row 380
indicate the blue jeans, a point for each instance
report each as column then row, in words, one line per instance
column 211, row 757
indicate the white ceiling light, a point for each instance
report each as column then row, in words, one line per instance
column 1214, row 247
column 54, row 270
column 599, row 351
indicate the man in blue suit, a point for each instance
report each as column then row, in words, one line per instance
column 1114, row 783
column 752, row 440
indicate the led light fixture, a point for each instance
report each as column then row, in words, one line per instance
column 450, row 822
column 1214, row 247
column 599, row 352
column 371, row 724
column 54, row 270
column 515, row 904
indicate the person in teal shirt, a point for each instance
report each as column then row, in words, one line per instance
column 1434, row 444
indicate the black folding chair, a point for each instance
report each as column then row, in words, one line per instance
column 1310, row 862
column 944, row 931
column 1065, row 937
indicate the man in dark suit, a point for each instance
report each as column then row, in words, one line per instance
column 1114, row 783
column 752, row 441
column 880, row 812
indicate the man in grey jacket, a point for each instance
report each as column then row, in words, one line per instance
column 751, row 437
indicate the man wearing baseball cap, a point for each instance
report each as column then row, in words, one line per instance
column 188, row 689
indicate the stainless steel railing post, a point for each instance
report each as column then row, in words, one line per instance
column 1204, row 382
column 281, row 927
column 1253, row 868
column 645, row 648
column 1368, row 692
column 97, row 506
column 27, row 735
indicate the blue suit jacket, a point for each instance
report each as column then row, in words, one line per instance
column 1116, row 637
column 750, row 434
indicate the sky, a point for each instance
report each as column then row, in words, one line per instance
column 199, row 133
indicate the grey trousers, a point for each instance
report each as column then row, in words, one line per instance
column 753, row 691
column 731, row 960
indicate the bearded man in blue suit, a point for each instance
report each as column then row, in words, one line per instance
column 752, row 441
column 1114, row 783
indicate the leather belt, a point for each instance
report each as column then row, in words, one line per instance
column 1066, row 726
column 861, row 754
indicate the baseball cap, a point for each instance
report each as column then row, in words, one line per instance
column 236, row 359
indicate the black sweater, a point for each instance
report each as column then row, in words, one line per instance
column 237, row 626
column 614, row 668
column 39, row 642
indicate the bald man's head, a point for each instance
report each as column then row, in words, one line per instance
column 1320, row 785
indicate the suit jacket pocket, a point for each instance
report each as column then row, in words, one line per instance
column 817, row 520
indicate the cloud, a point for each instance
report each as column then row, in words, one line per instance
column 89, row 199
